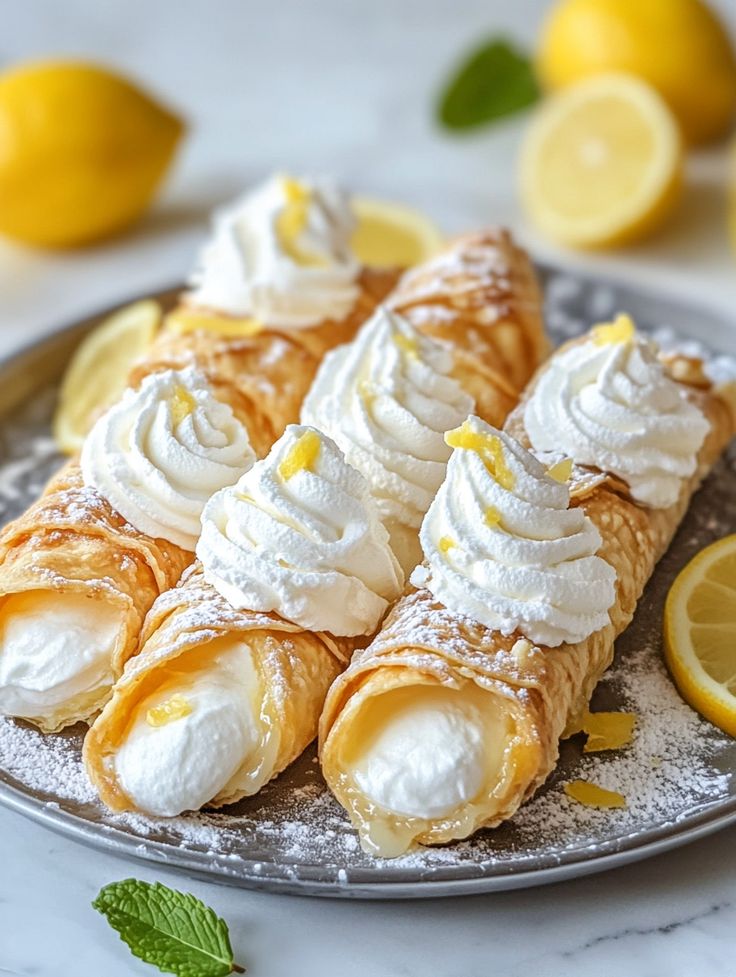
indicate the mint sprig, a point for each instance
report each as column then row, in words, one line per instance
column 495, row 80
column 174, row 931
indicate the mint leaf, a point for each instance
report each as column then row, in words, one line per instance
column 172, row 930
column 496, row 80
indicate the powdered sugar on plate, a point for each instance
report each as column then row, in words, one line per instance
column 677, row 771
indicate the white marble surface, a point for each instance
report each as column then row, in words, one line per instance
column 343, row 86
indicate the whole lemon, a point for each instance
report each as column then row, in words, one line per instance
column 82, row 151
column 678, row 46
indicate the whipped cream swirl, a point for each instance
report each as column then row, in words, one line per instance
column 299, row 535
column 281, row 255
column 160, row 453
column 608, row 402
column 503, row 547
column 386, row 399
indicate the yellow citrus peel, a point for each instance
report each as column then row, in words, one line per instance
column 292, row 221
column 591, row 795
column 302, row 456
column 182, row 404
column 446, row 544
column 561, row 471
column 407, row 345
column 169, row 711
column 608, row 730
column 488, row 447
column 621, row 330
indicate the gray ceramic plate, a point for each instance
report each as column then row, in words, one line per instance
column 676, row 776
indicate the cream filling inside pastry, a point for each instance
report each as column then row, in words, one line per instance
column 54, row 647
column 198, row 735
column 419, row 754
column 425, row 751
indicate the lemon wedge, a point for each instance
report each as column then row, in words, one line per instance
column 700, row 633
column 389, row 235
column 99, row 368
column 601, row 164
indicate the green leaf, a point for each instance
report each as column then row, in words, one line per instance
column 172, row 930
column 496, row 80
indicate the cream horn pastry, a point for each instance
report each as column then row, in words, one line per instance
column 80, row 569
column 276, row 286
column 294, row 572
column 387, row 399
column 470, row 325
column 451, row 718
column 480, row 295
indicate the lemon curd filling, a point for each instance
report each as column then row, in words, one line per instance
column 302, row 456
column 492, row 517
column 177, row 707
column 561, row 471
column 488, row 447
column 621, row 330
column 182, row 404
column 445, row 544
column 292, row 221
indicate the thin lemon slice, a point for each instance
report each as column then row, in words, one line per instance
column 98, row 371
column 390, row 235
column 700, row 633
column 602, row 163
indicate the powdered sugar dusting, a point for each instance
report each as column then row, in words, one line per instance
column 677, row 769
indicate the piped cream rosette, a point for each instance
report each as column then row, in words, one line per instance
column 294, row 572
column 452, row 717
column 608, row 402
column 80, row 569
column 503, row 549
column 387, row 399
column 276, row 286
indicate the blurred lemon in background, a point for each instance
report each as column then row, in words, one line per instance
column 601, row 164
column 677, row 46
column 390, row 235
column 82, row 151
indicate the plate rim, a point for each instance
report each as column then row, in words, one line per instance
column 465, row 878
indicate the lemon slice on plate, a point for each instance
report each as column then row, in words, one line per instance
column 389, row 235
column 700, row 633
column 98, row 371
column 602, row 163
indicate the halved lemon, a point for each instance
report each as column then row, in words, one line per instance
column 389, row 235
column 700, row 633
column 602, row 163
column 98, row 371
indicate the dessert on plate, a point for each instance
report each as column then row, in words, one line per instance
column 276, row 287
column 82, row 566
column 294, row 572
column 87, row 560
column 451, row 717
column 470, row 325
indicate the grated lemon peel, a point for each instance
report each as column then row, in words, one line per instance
column 591, row 795
column 488, row 447
column 302, row 456
column 169, row 711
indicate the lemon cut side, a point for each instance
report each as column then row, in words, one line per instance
column 98, row 371
column 700, row 633
column 389, row 235
column 602, row 163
